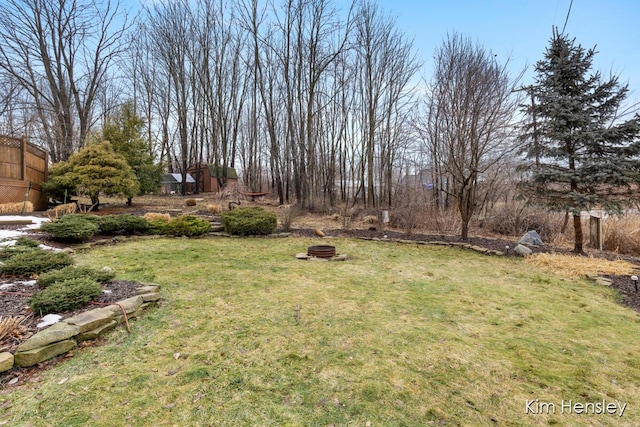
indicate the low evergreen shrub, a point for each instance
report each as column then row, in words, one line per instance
column 35, row 261
column 187, row 225
column 249, row 221
column 72, row 228
column 157, row 226
column 73, row 272
column 25, row 242
column 128, row 224
column 66, row 295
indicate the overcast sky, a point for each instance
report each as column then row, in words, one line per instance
column 521, row 29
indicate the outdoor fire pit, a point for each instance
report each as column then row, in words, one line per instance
column 322, row 251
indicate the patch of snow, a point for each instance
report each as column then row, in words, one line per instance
column 9, row 234
column 49, row 320
column 37, row 221
column 27, row 282
column 7, row 242
column 6, row 286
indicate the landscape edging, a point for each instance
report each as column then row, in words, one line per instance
column 52, row 342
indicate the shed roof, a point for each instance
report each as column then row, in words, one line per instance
column 172, row 178
column 216, row 171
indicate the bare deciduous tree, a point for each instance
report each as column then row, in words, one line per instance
column 469, row 118
column 60, row 52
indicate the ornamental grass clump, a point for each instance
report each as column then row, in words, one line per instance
column 249, row 221
column 66, row 295
column 35, row 262
column 74, row 272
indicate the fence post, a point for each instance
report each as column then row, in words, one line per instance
column 595, row 232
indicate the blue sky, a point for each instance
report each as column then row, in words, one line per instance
column 521, row 29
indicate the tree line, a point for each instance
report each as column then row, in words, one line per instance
column 323, row 106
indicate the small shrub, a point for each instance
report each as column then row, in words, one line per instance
column 153, row 216
column 35, row 261
column 287, row 217
column 72, row 272
column 158, row 227
column 190, row 202
column 72, row 228
column 249, row 221
column 128, row 224
column 26, row 242
column 187, row 225
column 67, row 295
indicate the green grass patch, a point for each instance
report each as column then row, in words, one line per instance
column 398, row 335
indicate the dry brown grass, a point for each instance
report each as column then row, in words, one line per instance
column 9, row 208
column 622, row 235
column 580, row 266
column 61, row 210
column 11, row 326
column 214, row 208
column 153, row 216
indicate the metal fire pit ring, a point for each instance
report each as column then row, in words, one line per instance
column 322, row 251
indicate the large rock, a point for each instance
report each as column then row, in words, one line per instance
column 522, row 250
column 58, row 332
column 531, row 238
column 35, row 356
column 6, row 361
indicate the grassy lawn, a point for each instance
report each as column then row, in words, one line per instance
column 398, row 335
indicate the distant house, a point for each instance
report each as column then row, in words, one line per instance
column 172, row 183
column 211, row 178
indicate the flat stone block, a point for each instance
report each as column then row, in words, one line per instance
column 153, row 296
column 37, row 355
column 6, row 361
column 130, row 305
column 302, row 255
column 95, row 333
column 58, row 332
column 147, row 289
column 91, row 319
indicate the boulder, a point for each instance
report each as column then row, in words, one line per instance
column 531, row 238
column 522, row 250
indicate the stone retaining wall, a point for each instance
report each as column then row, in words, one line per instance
column 66, row 334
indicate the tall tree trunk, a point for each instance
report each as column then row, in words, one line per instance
column 577, row 229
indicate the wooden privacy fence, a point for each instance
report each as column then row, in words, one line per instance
column 23, row 166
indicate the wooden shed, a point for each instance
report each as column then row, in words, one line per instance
column 172, row 184
column 23, row 166
column 209, row 177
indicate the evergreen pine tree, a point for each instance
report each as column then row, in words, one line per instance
column 581, row 153
column 95, row 169
column 125, row 132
